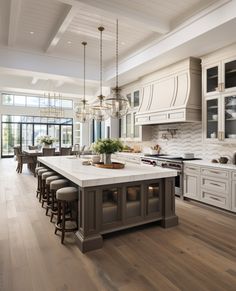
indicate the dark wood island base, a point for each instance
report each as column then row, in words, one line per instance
column 110, row 208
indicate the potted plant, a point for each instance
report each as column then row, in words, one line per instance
column 46, row 140
column 106, row 147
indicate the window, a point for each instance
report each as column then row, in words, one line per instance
column 19, row 100
column 34, row 101
column 7, row 99
column 25, row 130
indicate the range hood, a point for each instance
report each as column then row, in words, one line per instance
column 171, row 95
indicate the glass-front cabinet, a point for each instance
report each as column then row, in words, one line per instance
column 229, row 117
column 212, row 118
column 128, row 129
column 111, row 206
column 220, row 118
column 220, row 77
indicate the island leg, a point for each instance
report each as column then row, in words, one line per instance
column 168, row 203
column 88, row 237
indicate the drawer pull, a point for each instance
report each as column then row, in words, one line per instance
column 214, row 198
column 214, row 184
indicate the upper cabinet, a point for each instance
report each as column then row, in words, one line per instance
column 220, row 77
column 129, row 130
column 219, row 96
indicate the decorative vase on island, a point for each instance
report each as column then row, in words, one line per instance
column 46, row 145
column 107, row 159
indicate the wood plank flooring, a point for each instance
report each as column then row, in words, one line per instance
column 198, row 254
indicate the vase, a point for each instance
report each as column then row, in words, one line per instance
column 45, row 145
column 107, row 159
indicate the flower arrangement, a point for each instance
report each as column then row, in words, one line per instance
column 46, row 139
column 107, row 146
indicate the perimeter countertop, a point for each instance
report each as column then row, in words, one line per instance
column 210, row 164
column 88, row 176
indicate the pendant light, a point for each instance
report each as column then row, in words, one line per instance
column 118, row 104
column 82, row 109
column 99, row 110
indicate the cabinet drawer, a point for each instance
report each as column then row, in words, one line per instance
column 234, row 176
column 214, row 199
column 191, row 169
column 215, row 185
column 215, row 173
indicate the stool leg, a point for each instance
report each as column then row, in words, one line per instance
column 37, row 191
column 48, row 198
column 58, row 215
column 63, row 227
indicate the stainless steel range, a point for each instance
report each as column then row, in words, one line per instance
column 171, row 162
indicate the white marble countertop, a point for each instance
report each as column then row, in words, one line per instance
column 210, row 164
column 87, row 176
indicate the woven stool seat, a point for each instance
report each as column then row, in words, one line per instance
column 47, row 174
column 40, row 172
column 39, row 168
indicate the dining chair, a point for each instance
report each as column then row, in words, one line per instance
column 22, row 159
column 65, row 151
column 49, row 152
column 31, row 147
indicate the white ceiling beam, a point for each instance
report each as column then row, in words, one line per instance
column 15, row 8
column 139, row 18
column 68, row 14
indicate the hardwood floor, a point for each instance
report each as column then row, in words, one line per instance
column 198, row 254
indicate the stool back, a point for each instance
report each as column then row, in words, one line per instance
column 65, row 151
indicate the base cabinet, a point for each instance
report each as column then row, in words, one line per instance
column 191, row 181
column 234, row 195
column 211, row 185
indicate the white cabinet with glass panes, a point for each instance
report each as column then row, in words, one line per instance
column 129, row 131
column 219, row 96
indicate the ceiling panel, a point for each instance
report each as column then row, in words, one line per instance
column 4, row 20
column 40, row 17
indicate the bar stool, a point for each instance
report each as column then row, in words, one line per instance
column 49, row 180
column 39, row 174
column 54, row 186
column 36, row 174
column 64, row 196
column 42, row 194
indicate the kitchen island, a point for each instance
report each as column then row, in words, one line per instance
column 111, row 200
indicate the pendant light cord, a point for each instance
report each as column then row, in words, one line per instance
column 101, row 28
column 117, row 60
column 84, row 43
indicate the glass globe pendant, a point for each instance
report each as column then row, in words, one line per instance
column 82, row 108
column 100, row 110
column 118, row 105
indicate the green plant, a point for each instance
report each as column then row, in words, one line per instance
column 107, row 146
column 46, row 139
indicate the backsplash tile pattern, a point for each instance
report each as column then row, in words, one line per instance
column 187, row 140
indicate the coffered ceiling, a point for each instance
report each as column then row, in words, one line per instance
column 48, row 33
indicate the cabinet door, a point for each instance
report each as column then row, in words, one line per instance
column 153, row 200
column 111, row 207
column 233, row 207
column 212, row 119
column 134, row 202
column 136, row 128
column 229, row 75
column 136, row 98
column 129, row 125
column 211, row 79
column 229, row 117
column 191, row 186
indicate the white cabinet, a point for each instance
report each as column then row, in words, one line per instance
column 191, row 181
column 211, row 185
column 233, row 205
column 129, row 130
column 219, row 98
column 220, row 77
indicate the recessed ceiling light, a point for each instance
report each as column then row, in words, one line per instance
column 31, row 32
column 69, row 42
